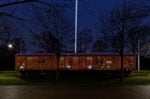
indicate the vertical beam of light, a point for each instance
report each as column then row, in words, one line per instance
column 76, row 25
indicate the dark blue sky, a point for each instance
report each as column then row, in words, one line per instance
column 88, row 11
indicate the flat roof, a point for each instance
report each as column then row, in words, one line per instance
column 43, row 54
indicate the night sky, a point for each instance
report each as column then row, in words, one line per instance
column 88, row 12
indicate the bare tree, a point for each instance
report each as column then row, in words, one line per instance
column 16, row 3
column 9, row 32
column 84, row 40
column 117, row 24
column 139, row 33
column 56, row 30
column 99, row 46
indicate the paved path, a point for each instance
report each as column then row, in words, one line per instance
column 77, row 92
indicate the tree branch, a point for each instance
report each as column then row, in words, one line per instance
column 16, row 2
column 10, row 15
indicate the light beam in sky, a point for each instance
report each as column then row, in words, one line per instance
column 76, row 25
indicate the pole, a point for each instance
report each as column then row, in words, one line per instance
column 138, row 55
column 76, row 25
column 21, row 43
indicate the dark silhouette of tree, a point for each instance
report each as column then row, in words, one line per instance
column 116, row 26
column 138, row 33
column 16, row 3
column 138, row 37
column 100, row 47
column 9, row 35
column 56, row 30
column 84, row 40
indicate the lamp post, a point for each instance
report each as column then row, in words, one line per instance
column 21, row 43
column 138, row 55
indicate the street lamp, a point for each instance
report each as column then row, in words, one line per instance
column 138, row 55
column 10, row 45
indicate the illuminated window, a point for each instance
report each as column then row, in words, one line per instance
column 108, row 62
column 29, row 58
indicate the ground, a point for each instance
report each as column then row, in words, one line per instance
column 75, row 92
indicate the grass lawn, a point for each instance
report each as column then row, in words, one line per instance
column 13, row 78
column 10, row 78
column 138, row 77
